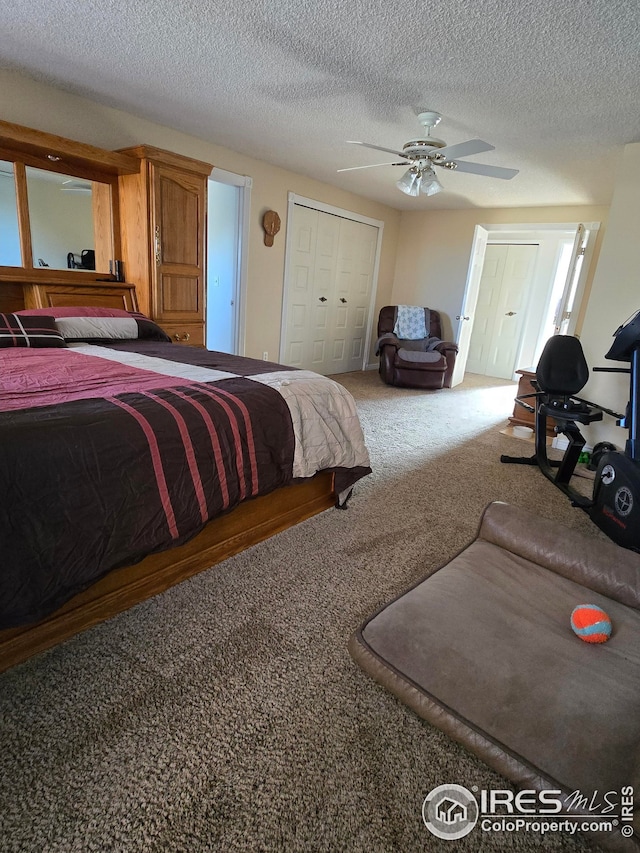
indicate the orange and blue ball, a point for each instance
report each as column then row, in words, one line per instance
column 591, row 623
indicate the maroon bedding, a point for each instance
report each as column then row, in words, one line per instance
column 102, row 463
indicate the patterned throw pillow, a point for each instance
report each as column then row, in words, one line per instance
column 92, row 324
column 18, row 331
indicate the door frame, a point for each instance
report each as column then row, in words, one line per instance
column 294, row 199
column 512, row 233
column 244, row 184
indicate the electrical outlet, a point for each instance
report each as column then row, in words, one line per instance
column 265, row 356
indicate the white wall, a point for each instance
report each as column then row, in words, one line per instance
column 615, row 295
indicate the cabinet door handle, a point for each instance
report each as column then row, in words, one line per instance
column 322, row 298
column 179, row 337
column 158, row 246
column 511, row 314
column 460, row 317
column 342, row 299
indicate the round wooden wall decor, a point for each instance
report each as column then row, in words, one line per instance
column 271, row 225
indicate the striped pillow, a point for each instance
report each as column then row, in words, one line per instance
column 95, row 324
column 17, row 331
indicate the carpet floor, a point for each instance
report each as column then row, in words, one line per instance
column 227, row 715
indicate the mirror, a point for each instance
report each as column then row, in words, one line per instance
column 59, row 207
column 61, row 215
column 9, row 233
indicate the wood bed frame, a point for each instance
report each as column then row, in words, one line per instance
column 248, row 524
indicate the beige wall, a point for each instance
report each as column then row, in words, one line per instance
column 434, row 249
column 36, row 105
column 615, row 295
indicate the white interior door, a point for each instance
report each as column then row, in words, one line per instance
column 330, row 275
column 472, row 288
column 500, row 310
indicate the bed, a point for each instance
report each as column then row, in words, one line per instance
column 130, row 462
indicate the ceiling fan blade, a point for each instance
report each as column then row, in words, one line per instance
column 484, row 169
column 371, row 166
column 377, row 148
column 465, row 149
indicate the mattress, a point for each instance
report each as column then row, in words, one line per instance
column 110, row 451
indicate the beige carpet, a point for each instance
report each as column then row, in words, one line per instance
column 227, row 715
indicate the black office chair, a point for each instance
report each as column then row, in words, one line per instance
column 561, row 373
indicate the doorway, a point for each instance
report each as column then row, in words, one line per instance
column 505, row 287
column 561, row 268
column 228, row 206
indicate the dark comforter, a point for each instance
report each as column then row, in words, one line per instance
column 102, row 463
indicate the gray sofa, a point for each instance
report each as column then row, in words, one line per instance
column 482, row 648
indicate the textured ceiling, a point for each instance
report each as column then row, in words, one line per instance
column 553, row 85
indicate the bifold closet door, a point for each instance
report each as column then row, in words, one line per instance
column 330, row 275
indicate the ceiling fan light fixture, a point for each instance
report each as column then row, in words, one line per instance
column 430, row 186
column 72, row 186
column 423, row 155
column 409, row 183
column 416, row 180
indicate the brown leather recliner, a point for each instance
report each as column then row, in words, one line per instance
column 423, row 363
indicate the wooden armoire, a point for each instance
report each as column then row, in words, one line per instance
column 149, row 210
column 163, row 215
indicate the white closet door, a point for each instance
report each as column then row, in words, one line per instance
column 330, row 276
column 312, row 265
column 351, row 296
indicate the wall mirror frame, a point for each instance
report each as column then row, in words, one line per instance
column 29, row 150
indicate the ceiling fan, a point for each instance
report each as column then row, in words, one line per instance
column 421, row 155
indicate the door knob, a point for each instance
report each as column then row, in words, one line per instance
column 510, row 313
column 460, row 317
column 322, row 298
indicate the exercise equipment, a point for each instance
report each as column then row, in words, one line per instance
column 561, row 374
column 616, row 494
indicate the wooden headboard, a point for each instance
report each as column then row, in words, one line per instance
column 108, row 294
